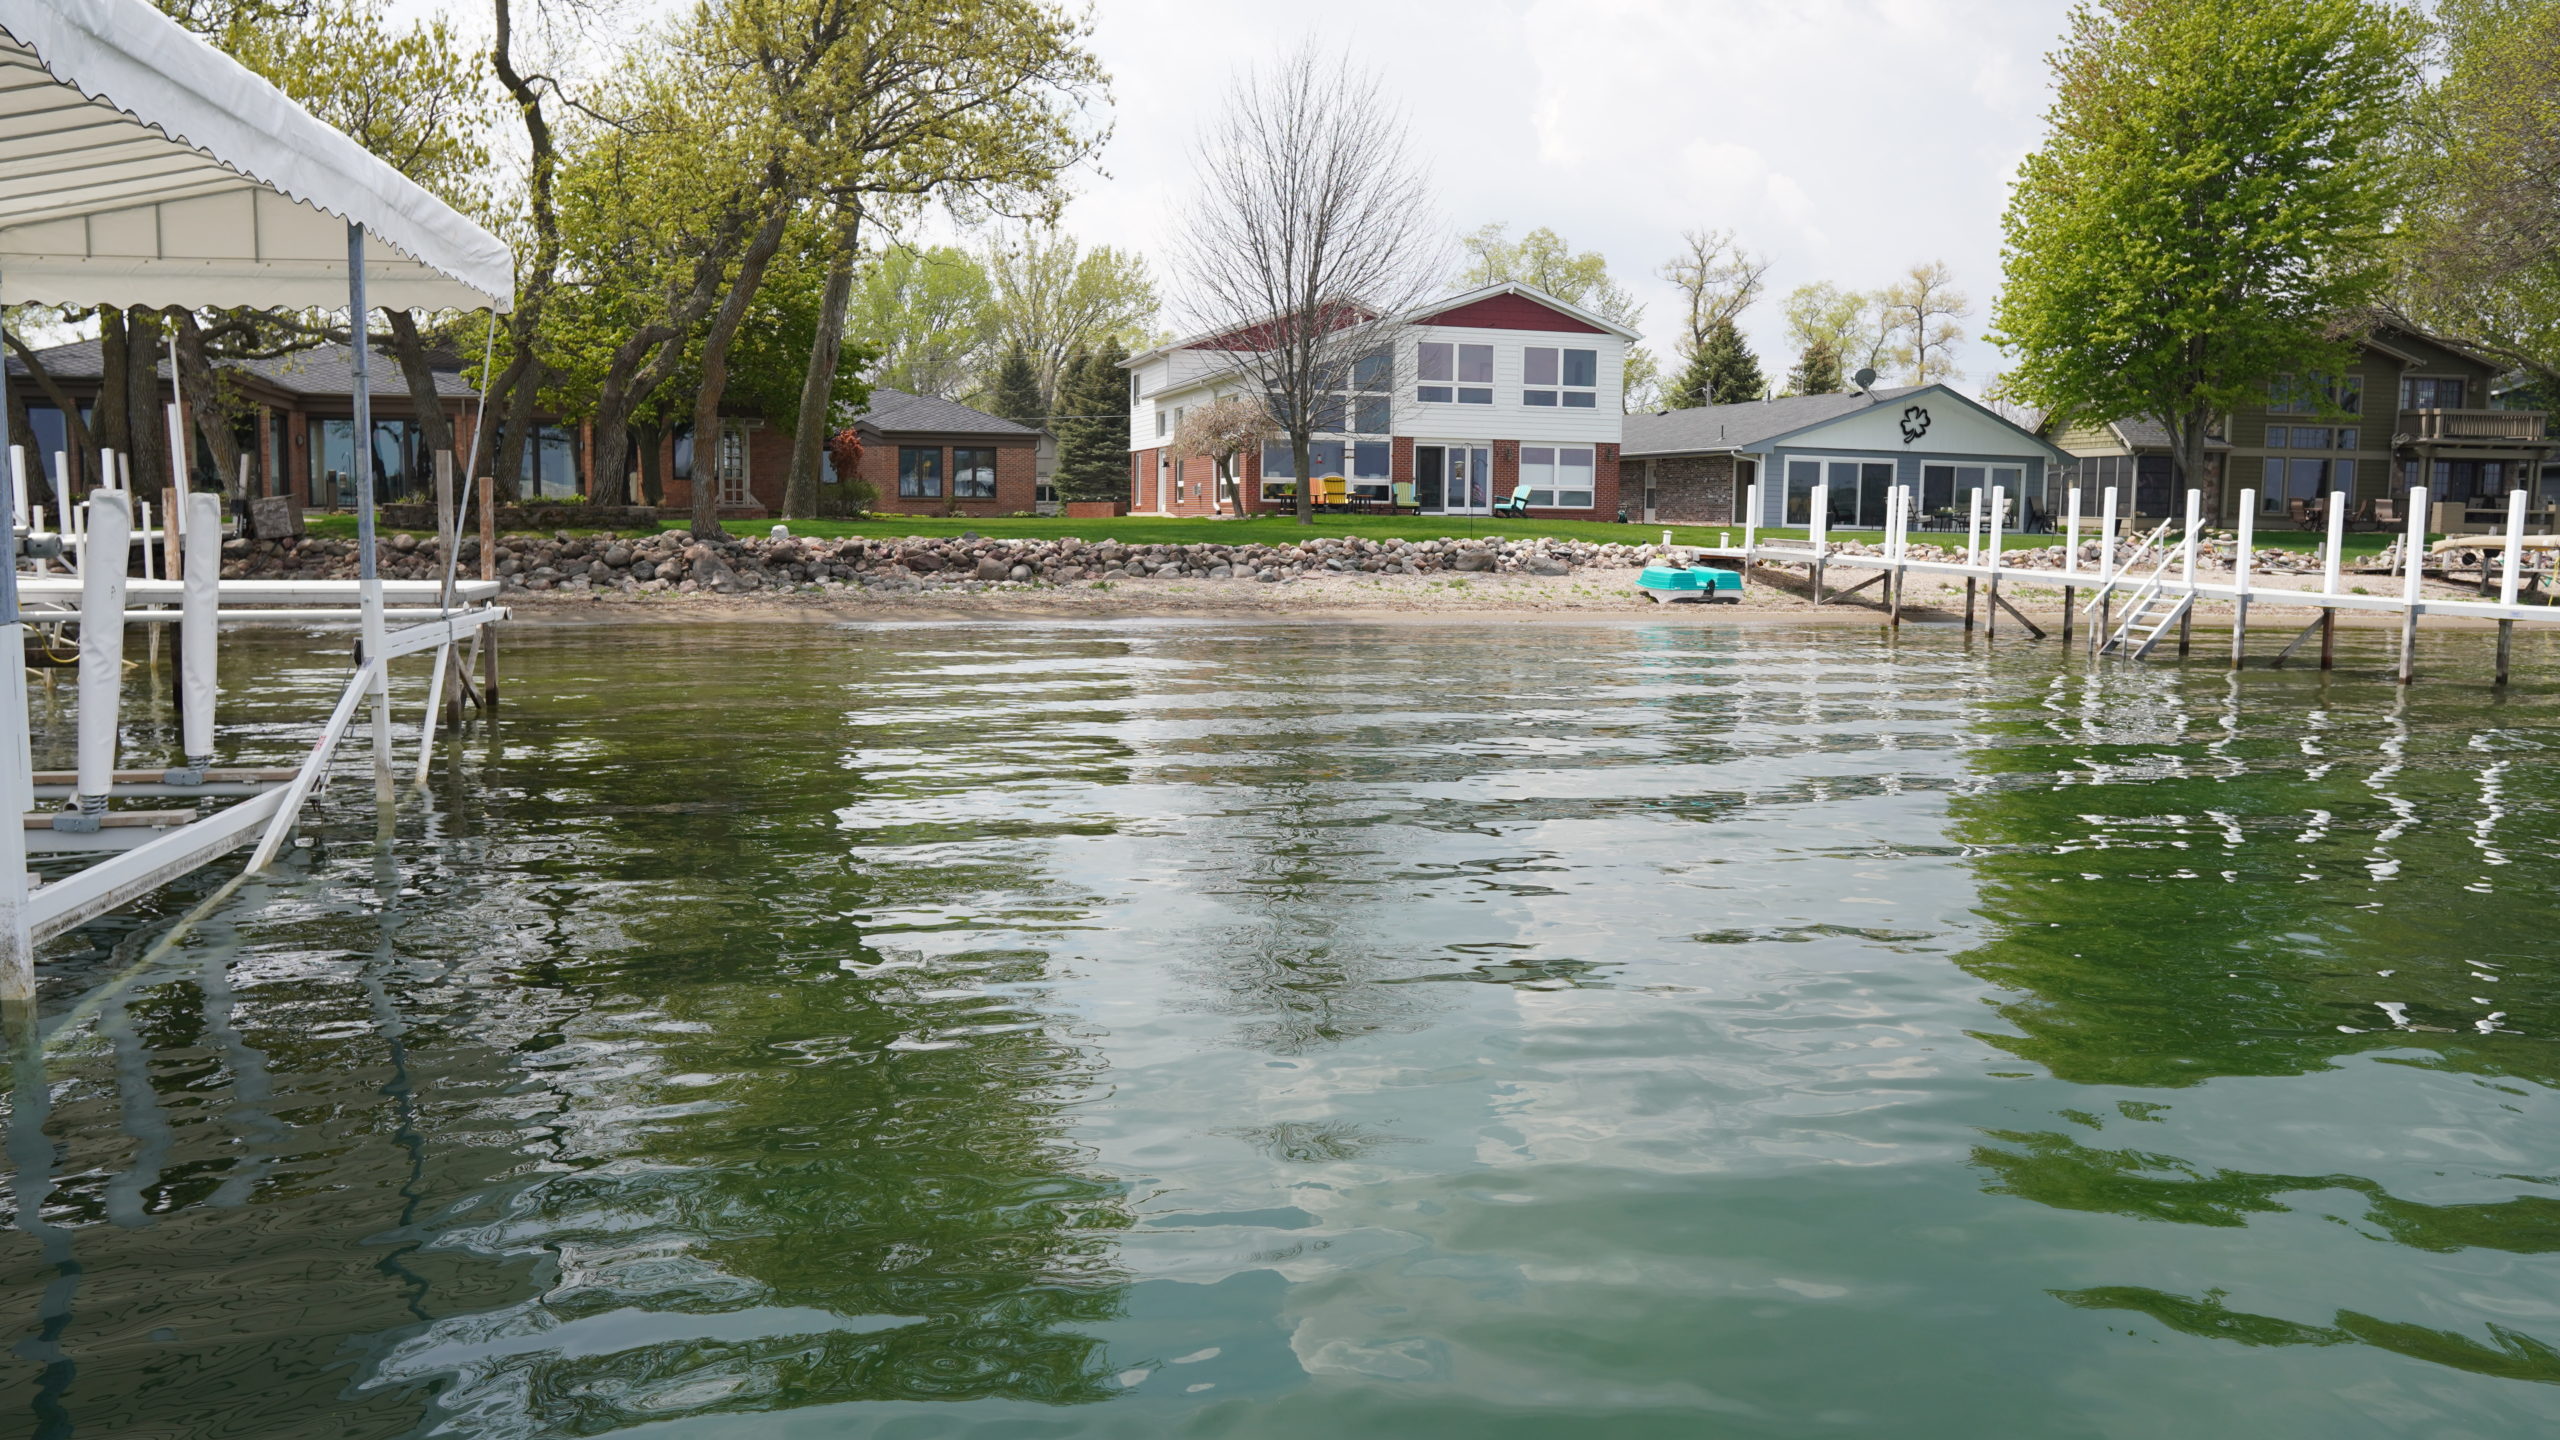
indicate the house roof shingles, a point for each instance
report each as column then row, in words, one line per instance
column 323, row 370
column 898, row 412
column 1715, row 428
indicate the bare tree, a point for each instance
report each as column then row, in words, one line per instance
column 1309, row 246
column 1717, row 278
column 1923, row 308
column 1223, row 429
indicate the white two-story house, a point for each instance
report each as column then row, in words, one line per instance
column 1497, row 391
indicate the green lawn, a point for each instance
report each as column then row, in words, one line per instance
column 1154, row 530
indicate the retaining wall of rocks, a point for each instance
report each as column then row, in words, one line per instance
column 674, row 560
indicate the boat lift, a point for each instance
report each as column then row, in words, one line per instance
column 143, row 167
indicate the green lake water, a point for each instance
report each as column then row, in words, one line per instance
column 1411, row 1031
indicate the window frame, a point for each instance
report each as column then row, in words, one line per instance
column 1547, row 481
column 911, row 480
column 959, row 469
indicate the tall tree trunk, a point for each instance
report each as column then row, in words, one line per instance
column 715, row 372
column 76, row 440
column 111, row 427
column 809, row 436
column 146, row 421
column 516, row 388
column 421, row 376
column 2191, row 460
column 653, row 439
column 506, row 468
column 206, row 403
column 1298, row 450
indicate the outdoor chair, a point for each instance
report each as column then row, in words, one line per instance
column 1404, row 499
column 1517, row 507
column 1333, row 493
column 2298, row 510
column 2385, row 514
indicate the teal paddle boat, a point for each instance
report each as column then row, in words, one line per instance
column 1703, row 583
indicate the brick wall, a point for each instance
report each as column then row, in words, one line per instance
column 1017, row 480
column 1692, row 490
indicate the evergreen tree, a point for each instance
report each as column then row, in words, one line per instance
column 1092, row 425
column 1723, row 371
column 1817, row 371
column 1016, row 392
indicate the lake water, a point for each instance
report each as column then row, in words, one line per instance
column 1460, row 1030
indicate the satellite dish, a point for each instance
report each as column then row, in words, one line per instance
column 1865, row 379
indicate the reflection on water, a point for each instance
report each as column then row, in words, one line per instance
column 1364, row 1031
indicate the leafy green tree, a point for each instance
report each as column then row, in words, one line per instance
column 1922, row 309
column 1817, row 371
column 1015, row 395
column 1853, row 324
column 1092, row 425
column 1543, row 259
column 2478, row 249
column 1053, row 298
column 975, row 105
column 924, row 313
column 1722, row 371
column 2209, row 200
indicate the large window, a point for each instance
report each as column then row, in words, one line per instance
column 1327, row 456
column 1554, row 376
column 399, row 458
column 2431, row 392
column 919, row 472
column 2315, row 395
column 2287, row 479
column 973, row 474
column 1556, row 477
column 1451, row 372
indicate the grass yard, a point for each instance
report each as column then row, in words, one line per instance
column 1274, row 530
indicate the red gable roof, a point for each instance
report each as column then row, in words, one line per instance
column 1511, row 312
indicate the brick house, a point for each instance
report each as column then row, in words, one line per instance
column 296, row 425
column 1491, row 393
column 923, row 456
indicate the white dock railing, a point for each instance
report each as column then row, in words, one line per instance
column 1991, row 564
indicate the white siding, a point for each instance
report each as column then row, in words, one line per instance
column 1506, row 418
column 1189, row 377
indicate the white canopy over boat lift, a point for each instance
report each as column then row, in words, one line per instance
column 139, row 166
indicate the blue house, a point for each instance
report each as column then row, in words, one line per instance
column 1698, row 466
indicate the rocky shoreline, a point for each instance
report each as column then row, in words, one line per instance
column 675, row 561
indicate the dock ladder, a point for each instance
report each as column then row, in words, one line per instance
column 2155, row 606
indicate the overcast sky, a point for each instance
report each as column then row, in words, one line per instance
column 1846, row 139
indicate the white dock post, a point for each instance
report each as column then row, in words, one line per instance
column 142, row 524
column 2413, row 574
column 19, row 496
column 369, row 575
column 1998, row 507
column 2070, row 556
column 2187, row 567
column 101, row 653
column 198, row 651
column 1897, row 545
column 2329, row 576
column 1750, row 531
column 2507, row 577
column 17, row 777
column 1820, row 532
column 2240, row 565
column 2106, row 567
column 1972, row 554
column 448, row 531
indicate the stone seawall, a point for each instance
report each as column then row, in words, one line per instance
column 674, row 560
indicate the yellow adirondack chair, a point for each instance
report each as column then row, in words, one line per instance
column 1332, row 492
